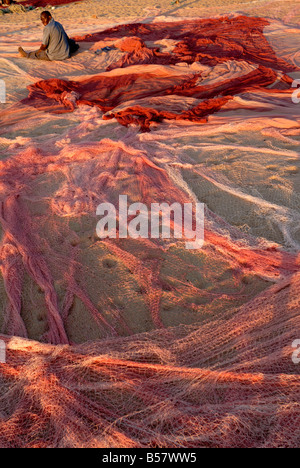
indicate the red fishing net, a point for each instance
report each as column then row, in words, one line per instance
column 227, row 383
column 210, row 42
column 45, row 3
column 139, row 342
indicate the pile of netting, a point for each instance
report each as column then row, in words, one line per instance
column 139, row 97
column 140, row 342
column 53, row 264
column 229, row 383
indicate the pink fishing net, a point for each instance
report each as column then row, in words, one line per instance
column 45, row 3
column 209, row 42
column 139, row 342
column 227, row 383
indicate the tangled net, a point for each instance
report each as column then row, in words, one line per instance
column 139, row 343
column 229, row 383
column 209, row 42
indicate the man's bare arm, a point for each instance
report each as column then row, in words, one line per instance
column 43, row 47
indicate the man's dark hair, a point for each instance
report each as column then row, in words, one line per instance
column 46, row 14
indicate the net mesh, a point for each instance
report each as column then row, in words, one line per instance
column 140, row 342
column 229, row 383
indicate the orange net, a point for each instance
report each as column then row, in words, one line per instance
column 229, row 383
column 139, row 342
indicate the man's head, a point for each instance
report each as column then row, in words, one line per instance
column 46, row 17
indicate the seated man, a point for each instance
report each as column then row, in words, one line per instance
column 55, row 41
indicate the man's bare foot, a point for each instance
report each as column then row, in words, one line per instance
column 22, row 52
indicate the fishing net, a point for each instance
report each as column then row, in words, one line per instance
column 240, row 39
column 141, row 342
column 218, row 385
